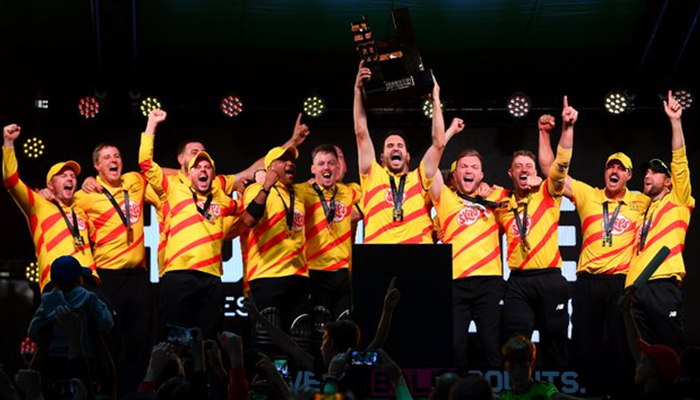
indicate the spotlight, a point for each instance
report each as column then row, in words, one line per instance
column 617, row 102
column 684, row 97
column 231, row 106
column 149, row 104
column 41, row 104
column 519, row 105
column 32, row 272
column 314, row 106
column 33, row 147
column 88, row 107
column 428, row 108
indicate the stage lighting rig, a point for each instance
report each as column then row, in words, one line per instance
column 518, row 105
column 231, row 106
column 617, row 102
column 314, row 106
column 33, row 147
column 88, row 107
column 149, row 104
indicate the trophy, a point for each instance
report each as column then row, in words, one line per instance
column 397, row 69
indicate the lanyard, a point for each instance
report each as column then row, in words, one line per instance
column 479, row 200
column 646, row 225
column 288, row 210
column 522, row 226
column 203, row 211
column 397, row 194
column 608, row 223
column 126, row 219
column 73, row 228
column 329, row 206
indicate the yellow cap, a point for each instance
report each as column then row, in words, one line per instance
column 278, row 152
column 199, row 156
column 622, row 158
column 453, row 166
column 60, row 166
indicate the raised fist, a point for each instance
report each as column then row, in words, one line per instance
column 157, row 116
column 11, row 132
column 546, row 123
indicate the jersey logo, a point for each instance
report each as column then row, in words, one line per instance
column 389, row 196
column 516, row 231
column 134, row 212
column 214, row 208
column 621, row 224
column 340, row 211
column 298, row 220
column 81, row 224
column 468, row 215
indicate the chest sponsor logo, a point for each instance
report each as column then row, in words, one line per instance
column 514, row 226
column 468, row 215
column 298, row 220
column 134, row 212
column 340, row 211
column 389, row 197
column 621, row 225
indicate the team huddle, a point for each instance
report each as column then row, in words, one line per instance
column 296, row 238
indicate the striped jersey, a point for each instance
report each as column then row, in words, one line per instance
column 114, row 247
column 328, row 244
column 613, row 256
column 472, row 229
column 193, row 225
column 378, row 207
column 276, row 243
column 541, row 223
column 667, row 219
column 50, row 232
column 223, row 182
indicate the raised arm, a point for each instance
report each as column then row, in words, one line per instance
column 301, row 131
column 431, row 159
column 438, row 184
column 154, row 174
column 545, row 155
column 365, row 148
column 674, row 110
column 560, row 168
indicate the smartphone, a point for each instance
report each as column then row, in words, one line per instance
column 358, row 357
column 282, row 367
column 60, row 389
column 179, row 335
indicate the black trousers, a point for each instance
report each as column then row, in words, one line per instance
column 131, row 297
column 478, row 299
column 539, row 299
column 330, row 290
column 600, row 351
column 192, row 299
column 658, row 310
column 288, row 294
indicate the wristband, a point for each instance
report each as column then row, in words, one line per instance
column 255, row 210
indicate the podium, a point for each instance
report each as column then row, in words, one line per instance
column 421, row 330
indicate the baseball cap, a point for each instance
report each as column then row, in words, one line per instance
column 278, row 152
column 453, row 166
column 667, row 362
column 67, row 269
column 56, row 168
column 199, row 156
column 657, row 165
column 622, row 158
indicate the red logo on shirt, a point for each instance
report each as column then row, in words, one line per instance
column 340, row 211
column 468, row 216
column 621, row 224
column 298, row 220
column 516, row 231
column 214, row 208
column 134, row 212
column 389, row 197
column 81, row 224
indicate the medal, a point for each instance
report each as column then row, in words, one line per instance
column 78, row 241
column 398, row 214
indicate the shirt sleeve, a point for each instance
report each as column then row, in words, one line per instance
column 680, row 176
column 154, row 174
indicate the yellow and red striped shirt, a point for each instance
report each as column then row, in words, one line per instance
column 275, row 250
column 223, row 182
column 378, row 207
column 541, row 233
column 50, row 233
column 669, row 218
column 112, row 249
column 193, row 241
column 472, row 230
column 328, row 246
column 596, row 258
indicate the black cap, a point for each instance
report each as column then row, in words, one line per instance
column 657, row 165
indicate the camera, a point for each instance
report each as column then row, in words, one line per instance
column 179, row 335
column 358, row 357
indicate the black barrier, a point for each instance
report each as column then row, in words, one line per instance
column 421, row 333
